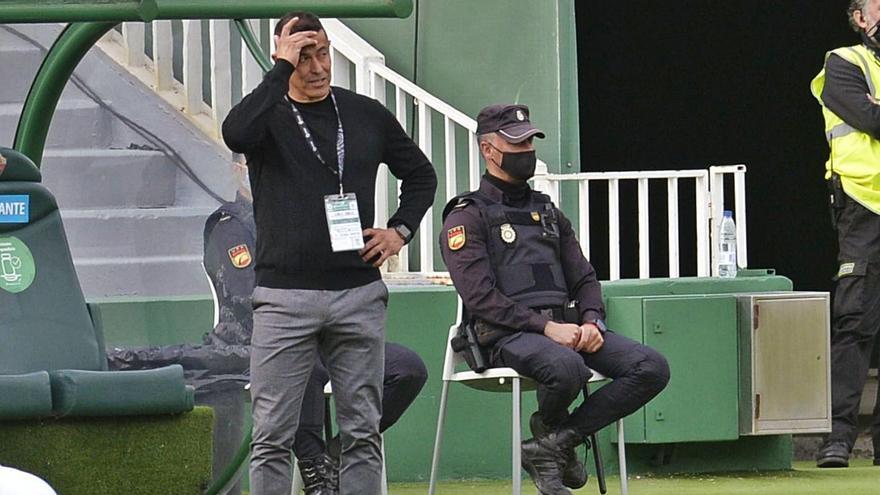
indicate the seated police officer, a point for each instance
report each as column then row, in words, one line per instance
column 517, row 265
column 230, row 237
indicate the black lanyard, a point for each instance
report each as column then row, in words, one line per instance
column 340, row 140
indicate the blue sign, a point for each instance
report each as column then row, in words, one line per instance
column 15, row 208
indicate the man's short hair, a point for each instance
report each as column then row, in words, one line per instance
column 855, row 5
column 307, row 22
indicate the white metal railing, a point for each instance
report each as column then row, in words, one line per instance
column 452, row 147
column 708, row 210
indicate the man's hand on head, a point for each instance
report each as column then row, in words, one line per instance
column 382, row 244
column 566, row 334
column 288, row 46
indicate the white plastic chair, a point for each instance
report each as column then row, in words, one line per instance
column 501, row 380
column 297, row 486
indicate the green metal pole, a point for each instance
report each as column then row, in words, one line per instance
column 16, row 11
column 234, row 465
column 39, row 107
column 247, row 35
column 28, row 11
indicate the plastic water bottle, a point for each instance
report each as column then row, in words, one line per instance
column 727, row 247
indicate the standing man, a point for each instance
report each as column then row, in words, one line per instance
column 230, row 238
column 536, row 305
column 313, row 153
column 847, row 89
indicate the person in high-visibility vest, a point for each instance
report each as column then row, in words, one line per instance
column 847, row 89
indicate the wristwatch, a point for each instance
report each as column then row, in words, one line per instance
column 404, row 232
column 599, row 324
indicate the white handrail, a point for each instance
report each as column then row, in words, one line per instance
column 358, row 66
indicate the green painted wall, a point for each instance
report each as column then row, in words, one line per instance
column 477, row 439
column 472, row 54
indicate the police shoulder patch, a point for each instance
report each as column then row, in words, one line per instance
column 456, row 237
column 240, row 256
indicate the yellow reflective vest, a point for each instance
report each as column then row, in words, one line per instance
column 855, row 155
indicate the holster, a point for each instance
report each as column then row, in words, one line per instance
column 467, row 344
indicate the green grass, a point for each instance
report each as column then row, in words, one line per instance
column 860, row 479
column 135, row 455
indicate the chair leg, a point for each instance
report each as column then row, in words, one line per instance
column 438, row 439
column 516, row 441
column 600, row 466
column 297, row 486
column 597, row 455
column 384, row 471
column 328, row 420
column 621, row 455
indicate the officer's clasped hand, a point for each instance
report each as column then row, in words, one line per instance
column 591, row 339
column 584, row 338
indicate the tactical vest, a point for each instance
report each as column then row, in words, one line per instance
column 855, row 155
column 523, row 245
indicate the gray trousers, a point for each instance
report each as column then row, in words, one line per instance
column 290, row 328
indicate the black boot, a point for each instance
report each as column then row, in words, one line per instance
column 314, row 475
column 574, row 474
column 544, row 458
column 833, row 454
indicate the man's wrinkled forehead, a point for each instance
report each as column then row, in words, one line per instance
column 323, row 42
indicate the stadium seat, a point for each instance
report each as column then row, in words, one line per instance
column 509, row 381
column 49, row 330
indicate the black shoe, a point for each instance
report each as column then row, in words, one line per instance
column 543, row 461
column 877, row 461
column 833, row 454
column 314, row 475
column 574, row 474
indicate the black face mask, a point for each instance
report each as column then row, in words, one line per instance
column 874, row 37
column 519, row 165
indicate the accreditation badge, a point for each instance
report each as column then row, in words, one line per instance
column 344, row 222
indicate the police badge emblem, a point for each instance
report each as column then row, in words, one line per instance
column 456, row 238
column 536, row 216
column 240, row 256
column 508, row 235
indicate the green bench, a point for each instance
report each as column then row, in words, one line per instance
column 52, row 358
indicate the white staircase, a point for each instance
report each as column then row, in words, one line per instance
column 134, row 220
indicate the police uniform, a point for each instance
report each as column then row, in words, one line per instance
column 230, row 237
column 516, row 263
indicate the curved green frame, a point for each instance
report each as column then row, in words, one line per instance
column 88, row 23
column 98, row 18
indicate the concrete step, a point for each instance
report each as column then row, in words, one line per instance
column 26, row 60
column 157, row 276
column 102, row 178
column 135, row 233
column 77, row 123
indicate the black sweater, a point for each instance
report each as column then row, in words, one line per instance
column 289, row 183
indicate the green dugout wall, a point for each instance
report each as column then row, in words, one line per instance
column 471, row 54
column 477, row 439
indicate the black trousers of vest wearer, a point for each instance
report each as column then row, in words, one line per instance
column 405, row 375
column 639, row 373
column 855, row 317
